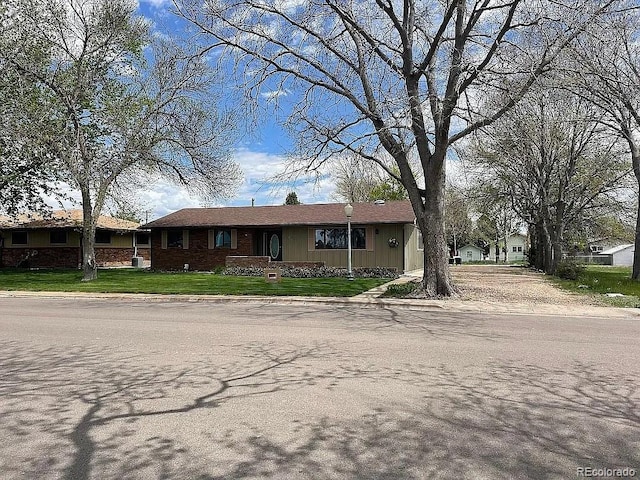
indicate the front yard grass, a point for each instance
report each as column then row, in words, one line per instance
column 599, row 280
column 190, row 283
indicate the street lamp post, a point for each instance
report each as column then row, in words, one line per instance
column 348, row 211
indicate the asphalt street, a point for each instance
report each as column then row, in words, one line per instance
column 155, row 389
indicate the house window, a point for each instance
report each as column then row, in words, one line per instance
column 519, row 249
column 336, row 238
column 103, row 236
column 19, row 238
column 143, row 239
column 58, row 237
column 223, row 238
column 174, row 239
column 469, row 254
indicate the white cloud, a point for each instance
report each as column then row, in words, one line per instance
column 259, row 170
column 275, row 94
column 157, row 3
column 161, row 197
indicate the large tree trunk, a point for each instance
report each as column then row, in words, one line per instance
column 557, row 237
column 89, row 266
column 635, row 159
column 437, row 277
column 635, row 273
column 557, row 255
column 547, row 253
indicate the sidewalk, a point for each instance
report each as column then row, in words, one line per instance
column 368, row 299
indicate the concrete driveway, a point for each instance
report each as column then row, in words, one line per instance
column 135, row 389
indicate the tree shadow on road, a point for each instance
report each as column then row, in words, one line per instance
column 425, row 322
column 78, row 413
column 507, row 422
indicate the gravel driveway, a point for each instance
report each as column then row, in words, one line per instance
column 511, row 284
column 506, row 288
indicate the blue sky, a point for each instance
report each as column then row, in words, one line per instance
column 260, row 154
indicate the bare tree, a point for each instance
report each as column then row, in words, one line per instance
column 552, row 160
column 109, row 114
column 458, row 224
column 606, row 71
column 354, row 178
column 405, row 78
column 359, row 180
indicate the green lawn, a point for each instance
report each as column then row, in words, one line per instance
column 141, row 281
column 599, row 280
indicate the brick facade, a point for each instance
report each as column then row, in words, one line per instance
column 198, row 256
column 115, row 257
column 247, row 261
column 54, row 257
column 296, row 264
column 67, row 257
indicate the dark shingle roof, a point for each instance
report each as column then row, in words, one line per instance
column 281, row 215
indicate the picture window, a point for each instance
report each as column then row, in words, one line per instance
column 336, row 238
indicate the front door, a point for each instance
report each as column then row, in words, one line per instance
column 272, row 244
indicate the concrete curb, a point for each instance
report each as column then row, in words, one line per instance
column 449, row 306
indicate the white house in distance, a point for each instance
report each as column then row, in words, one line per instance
column 471, row 253
column 622, row 255
column 515, row 248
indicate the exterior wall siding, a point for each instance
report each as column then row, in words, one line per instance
column 470, row 254
column 517, row 241
column 623, row 257
column 40, row 238
column 413, row 252
column 118, row 240
column 297, row 247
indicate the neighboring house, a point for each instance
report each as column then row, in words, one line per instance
column 56, row 241
column 622, row 255
column 515, row 248
column 471, row 253
column 600, row 245
column 383, row 235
